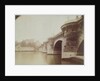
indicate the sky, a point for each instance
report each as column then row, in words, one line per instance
column 39, row 27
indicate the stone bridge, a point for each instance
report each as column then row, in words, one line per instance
column 69, row 42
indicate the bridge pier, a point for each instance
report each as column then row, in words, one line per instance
column 68, row 54
column 50, row 46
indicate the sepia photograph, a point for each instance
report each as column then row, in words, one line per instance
column 49, row 39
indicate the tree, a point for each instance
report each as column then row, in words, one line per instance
column 23, row 43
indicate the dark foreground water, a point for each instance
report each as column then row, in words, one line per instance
column 36, row 58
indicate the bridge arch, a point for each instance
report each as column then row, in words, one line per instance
column 59, row 39
column 58, row 47
column 80, row 50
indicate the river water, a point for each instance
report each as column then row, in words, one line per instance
column 36, row 58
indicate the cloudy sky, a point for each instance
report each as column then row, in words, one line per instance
column 39, row 27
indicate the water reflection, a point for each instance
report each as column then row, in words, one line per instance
column 54, row 59
column 28, row 58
